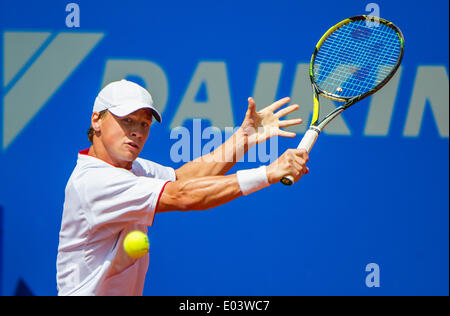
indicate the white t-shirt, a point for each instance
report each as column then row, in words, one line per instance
column 103, row 203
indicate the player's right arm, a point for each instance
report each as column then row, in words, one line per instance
column 207, row 192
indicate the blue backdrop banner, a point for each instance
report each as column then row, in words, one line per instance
column 371, row 218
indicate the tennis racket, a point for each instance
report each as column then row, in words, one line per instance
column 353, row 60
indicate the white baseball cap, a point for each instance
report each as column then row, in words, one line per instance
column 124, row 97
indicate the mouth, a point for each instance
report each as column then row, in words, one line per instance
column 132, row 145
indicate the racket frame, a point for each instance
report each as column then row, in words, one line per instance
column 349, row 101
column 317, row 126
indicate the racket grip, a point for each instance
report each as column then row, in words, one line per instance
column 306, row 143
column 308, row 140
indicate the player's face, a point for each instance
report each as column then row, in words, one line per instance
column 124, row 137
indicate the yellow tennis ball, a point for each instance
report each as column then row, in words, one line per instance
column 136, row 244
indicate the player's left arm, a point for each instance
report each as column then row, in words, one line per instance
column 257, row 127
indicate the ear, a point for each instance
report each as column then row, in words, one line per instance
column 96, row 121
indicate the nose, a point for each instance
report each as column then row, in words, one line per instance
column 137, row 132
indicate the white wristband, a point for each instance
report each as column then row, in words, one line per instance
column 252, row 180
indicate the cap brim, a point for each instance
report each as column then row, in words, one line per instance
column 127, row 109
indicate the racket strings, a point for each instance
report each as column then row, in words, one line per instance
column 356, row 58
column 342, row 74
column 362, row 55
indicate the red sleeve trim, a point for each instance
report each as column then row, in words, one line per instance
column 157, row 202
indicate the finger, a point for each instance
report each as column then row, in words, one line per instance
column 300, row 161
column 299, row 171
column 301, row 168
column 295, row 156
column 287, row 110
column 286, row 134
column 287, row 123
column 294, row 169
column 277, row 104
column 251, row 105
column 302, row 153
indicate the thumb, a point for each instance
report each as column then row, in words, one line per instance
column 251, row 105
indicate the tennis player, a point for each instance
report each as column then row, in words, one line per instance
column 112, row 191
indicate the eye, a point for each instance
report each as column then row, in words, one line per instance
column 145, row 124
column 127, row 120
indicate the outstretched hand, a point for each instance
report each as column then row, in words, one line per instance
column 262, row 125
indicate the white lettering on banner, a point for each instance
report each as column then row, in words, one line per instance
column 18, row 49
column 373, row 278
column 266, row 84
column 73, row 18
column 30, row 93
column 217, row 108
column 430, row 87
column 27, row 55
column 382, row 107
column 215, row 142
column 180, row 151
column 374, row 15
column 197, row 141
column 183, row 144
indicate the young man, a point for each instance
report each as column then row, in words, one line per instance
column 112, row 192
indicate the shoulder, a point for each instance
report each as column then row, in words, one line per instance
column 91, row 173
column 146, row 164
column 147, row 168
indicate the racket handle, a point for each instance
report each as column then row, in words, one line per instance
column 308, row 140
column 306, row 143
